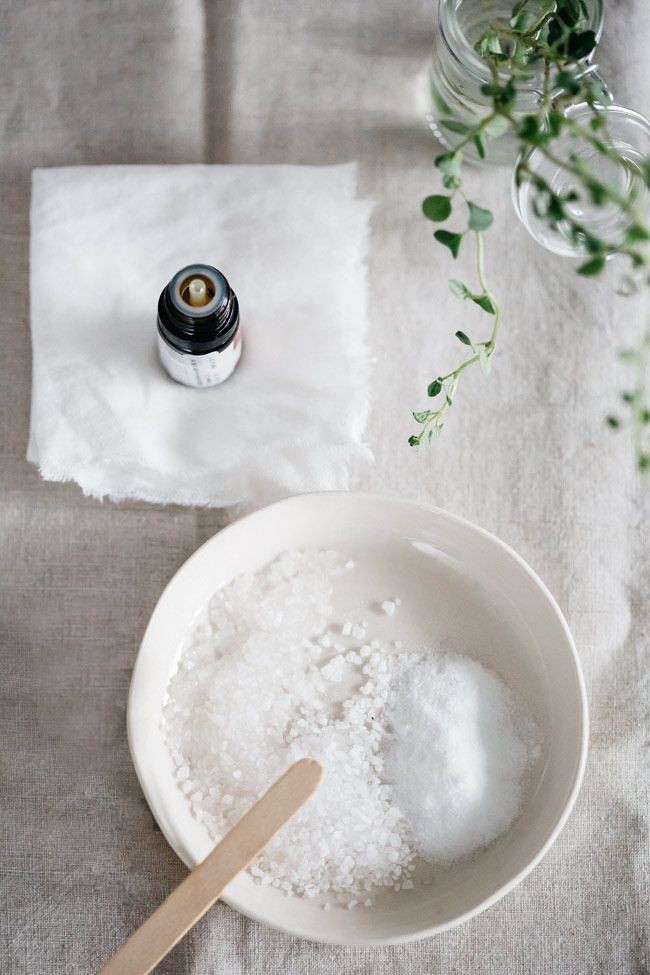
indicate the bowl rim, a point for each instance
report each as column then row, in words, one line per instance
column 379, row 940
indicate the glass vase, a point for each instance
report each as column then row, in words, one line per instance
column 457, row 74
column 626, row 132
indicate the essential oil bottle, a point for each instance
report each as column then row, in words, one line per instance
column 199, row 339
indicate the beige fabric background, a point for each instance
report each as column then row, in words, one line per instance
column 525, row 454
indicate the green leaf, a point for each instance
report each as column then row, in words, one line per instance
column 557, row 34
column 488, row 43
column 436, row 207
column 644, row 462
column 507, row 96
column 452, row 241
column 449, row 162
column 454, row 126
column 613, row 422
column 495, row 127
column 480, row 145
column 484, row 302
column 636, row 232
column 596, row 92
column 568, row 82
column 628, row 398
column 555, row 208
column 421, row 417
column 485, row 361
column 582, row 44
column 628, row 355
column 479, row 218
column 440, row 103
column 463, row 338
column 597, row 191
column 592, row 244
column 521, row 21
column 592, row 266
column 528, row 128
column 521, row 54
column 492, row 90
column 414, row 441
column 570, row 11
column 451, row 182
column 434, row 387
column 459, row 289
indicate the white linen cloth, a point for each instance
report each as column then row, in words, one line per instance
column 106, row 240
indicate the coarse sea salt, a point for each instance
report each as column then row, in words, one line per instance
column 265, row 682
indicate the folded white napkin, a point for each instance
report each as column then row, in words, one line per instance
column 106, row 240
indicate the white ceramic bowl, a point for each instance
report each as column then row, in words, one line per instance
column 461, row 589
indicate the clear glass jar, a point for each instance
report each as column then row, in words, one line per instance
column 457, row 73
column 629, row 134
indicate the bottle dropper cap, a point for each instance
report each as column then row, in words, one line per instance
column 198, row 292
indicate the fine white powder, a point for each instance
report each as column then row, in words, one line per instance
column 458, row 755
column 423, row 754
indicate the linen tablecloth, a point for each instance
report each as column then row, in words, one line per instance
column 525, row 454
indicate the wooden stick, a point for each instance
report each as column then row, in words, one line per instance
column 192, row 898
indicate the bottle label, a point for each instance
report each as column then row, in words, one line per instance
column 209, row 369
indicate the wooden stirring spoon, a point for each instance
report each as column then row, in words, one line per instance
column 192, row 898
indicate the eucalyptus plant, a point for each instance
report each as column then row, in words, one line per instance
column 555, row 41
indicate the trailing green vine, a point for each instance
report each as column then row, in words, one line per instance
column 555, row 38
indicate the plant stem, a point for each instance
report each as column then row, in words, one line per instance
column 559, row 40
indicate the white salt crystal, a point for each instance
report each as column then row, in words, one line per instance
column 346, row 629
column 334, row 669
column 388, row 607
column 281, row 707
